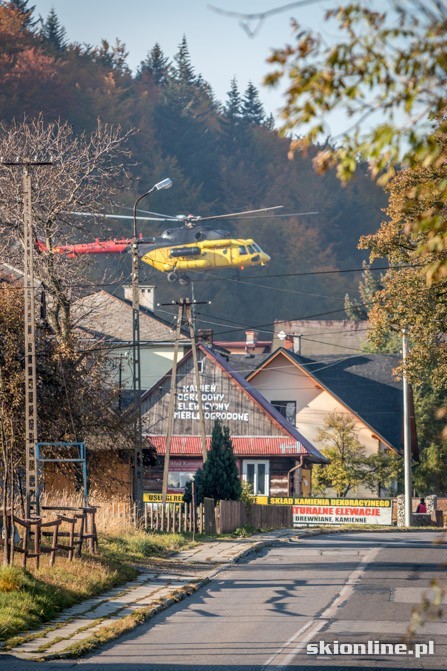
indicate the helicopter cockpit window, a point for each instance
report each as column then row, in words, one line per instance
column 242, row 250
column 252, row 249
column 256, row 247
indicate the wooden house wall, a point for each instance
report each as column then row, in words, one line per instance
column 222, row 399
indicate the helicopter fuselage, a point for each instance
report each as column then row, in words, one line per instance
column 205, row 254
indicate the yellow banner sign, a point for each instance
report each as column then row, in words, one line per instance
column 149, row 497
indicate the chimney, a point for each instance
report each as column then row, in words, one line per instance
column 251, row 338
column 296, row 343
column 147, row 295
column 206, row 337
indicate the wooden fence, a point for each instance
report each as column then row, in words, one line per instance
column 173, row 517
column 225, row 518
column 67, row 532
column 235, row 514
column 178, row 517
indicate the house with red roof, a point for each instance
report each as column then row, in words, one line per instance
column 272, row 454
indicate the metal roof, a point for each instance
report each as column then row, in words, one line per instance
column 242, row 445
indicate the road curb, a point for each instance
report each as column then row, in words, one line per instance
column 112, row 630
column 138, row 617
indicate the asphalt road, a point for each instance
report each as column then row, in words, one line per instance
column 262, row 614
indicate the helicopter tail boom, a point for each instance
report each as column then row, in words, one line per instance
column 97, row 247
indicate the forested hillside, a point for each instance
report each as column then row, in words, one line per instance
column 223, row 156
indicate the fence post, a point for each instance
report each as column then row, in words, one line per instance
column 145, row 516
column 201, row 518
column 54, row 542
column 37, row 543
column 24, row 543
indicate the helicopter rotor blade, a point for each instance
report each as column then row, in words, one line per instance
column 157, row 214
column 277, row 216
column 239, row 214
column 117, row 216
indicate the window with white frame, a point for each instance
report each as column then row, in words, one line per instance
column 257, row 474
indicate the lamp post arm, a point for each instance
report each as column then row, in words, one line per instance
column 135, row 231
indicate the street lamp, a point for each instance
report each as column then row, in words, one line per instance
column 138, row 451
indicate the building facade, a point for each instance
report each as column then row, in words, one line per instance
column 271, row 453
column 362, row 387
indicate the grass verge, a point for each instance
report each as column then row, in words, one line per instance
column 30, row 597
column 122, row 626
column 138, row 546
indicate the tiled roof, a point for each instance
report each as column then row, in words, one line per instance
column 109, row 317
column 266, row 406
column 244, row 364
column 242, row 445
column 10, row 274
column 366, row 385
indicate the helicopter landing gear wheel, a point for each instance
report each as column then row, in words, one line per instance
column 172, row 277
column 184, row 280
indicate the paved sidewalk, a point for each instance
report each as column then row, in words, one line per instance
column 149, row 593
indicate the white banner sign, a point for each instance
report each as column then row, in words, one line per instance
column 342, row 511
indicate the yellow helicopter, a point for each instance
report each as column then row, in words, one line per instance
column 192, row 246
column 205, row 255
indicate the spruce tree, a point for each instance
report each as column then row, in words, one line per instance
column 54, row 32
column 157, row 65
column 252, row 109
column 184, row 72
column 233, row 105
column 369, row 285
column 22, row 6
column 219, row 477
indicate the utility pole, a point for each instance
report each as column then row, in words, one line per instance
column 184, row 313
column 137, row 482
column 31, row 418
column 407, row 435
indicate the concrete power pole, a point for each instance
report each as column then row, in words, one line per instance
column 184, row 313
column 32, row 503
column 407, row 436
column 31, row 418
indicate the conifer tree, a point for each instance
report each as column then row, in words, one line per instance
column 22, row 6
column 269, row 122
column 157, row 65
column 54, row 32
column 184, row 72
column 233, row 105
column 113, row 56
column 252, row 109
column 219, row 478
column 369, row 285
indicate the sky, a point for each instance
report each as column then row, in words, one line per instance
column 220, row 49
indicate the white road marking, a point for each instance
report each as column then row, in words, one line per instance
column 311, row 628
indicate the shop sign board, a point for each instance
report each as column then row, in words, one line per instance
column 341, row 511
column 150, row 497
